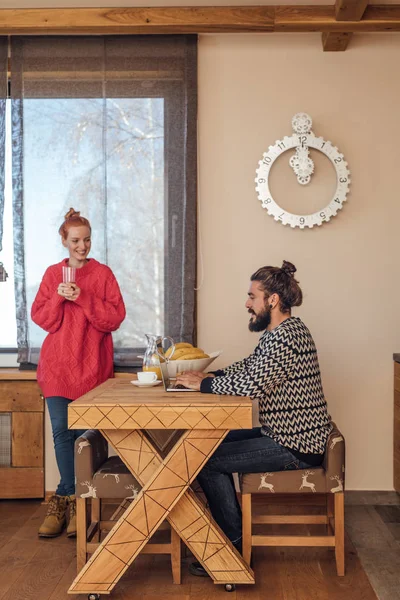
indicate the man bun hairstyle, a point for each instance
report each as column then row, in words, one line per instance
column 288, row 268
column 281, row 281
column 73, row 219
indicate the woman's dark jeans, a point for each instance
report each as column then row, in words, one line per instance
column 64, row 442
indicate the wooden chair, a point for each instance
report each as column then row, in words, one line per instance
column 100, row 478
column 327, row 479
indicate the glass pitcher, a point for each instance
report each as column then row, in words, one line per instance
column 155, row 352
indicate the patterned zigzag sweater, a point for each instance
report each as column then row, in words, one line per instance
column 283, row 374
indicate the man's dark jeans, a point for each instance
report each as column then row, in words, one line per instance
column 242, row 451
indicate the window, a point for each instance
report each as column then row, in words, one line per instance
column 108, row 126
column 106, row 159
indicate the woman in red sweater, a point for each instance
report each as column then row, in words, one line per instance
column 77, row 354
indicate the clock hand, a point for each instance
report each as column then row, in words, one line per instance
column 302, row 164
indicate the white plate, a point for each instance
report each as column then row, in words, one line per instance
column 151, row 384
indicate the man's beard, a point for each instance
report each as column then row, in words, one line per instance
column 261, row 321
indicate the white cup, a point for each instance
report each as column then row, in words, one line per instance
column 147, row 376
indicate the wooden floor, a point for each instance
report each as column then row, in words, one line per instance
column 40, row 569
column 373, row 523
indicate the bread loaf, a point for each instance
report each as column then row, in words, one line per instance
column 185, row 351
column 178, row 346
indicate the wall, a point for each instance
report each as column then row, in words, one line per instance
column 250, row 86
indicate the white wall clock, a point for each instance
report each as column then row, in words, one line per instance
column 303, row 166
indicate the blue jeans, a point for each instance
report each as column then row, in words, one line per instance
column 242, row 451
column 64, row 442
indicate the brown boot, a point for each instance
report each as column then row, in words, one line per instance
column 55, row 520
column 71, row 529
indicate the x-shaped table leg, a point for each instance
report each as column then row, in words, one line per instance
column 165, row 494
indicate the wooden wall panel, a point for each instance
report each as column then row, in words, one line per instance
column 20, row 396
column 396, row 429
column 22, row 483
column 397, row 369
column 27, row 439
column 396, row 447
column 397, row 475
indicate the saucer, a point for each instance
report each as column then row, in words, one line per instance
column 151, row 384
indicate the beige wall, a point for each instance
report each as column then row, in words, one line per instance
column 250, row 86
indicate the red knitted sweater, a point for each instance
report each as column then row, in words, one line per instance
column 77, row 355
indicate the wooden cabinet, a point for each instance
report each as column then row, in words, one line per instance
column 396, row 432
column 21, row 435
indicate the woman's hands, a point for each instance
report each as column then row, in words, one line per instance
column 192, row 379
column 69, row 291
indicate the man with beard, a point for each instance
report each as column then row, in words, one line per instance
column 283, row 374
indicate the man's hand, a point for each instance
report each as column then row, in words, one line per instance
column 192, row 379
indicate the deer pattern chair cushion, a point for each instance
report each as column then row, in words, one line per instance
column 329, row 478
column 98, row 476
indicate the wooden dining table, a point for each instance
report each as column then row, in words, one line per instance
column 125, row 414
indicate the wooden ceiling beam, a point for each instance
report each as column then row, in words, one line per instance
column 350, row 10
column 335, row 42
column 345, row 10
column 212, row 19
column 377, row 18
column 137, row 20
